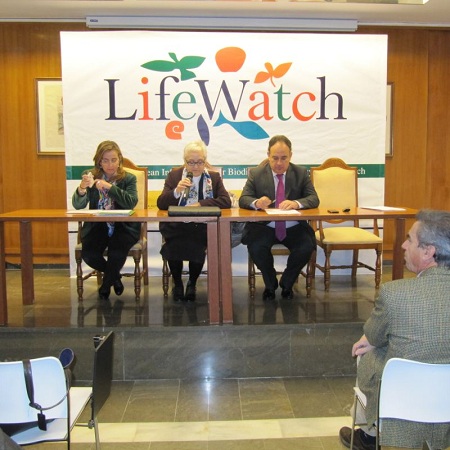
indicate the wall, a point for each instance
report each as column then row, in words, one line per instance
column 417, row 176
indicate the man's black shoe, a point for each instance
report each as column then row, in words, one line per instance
column 103, row 293
column 361, row 441
column 118, row 287
column 287, row 293
column 178, row 293
column 190, row 292
column 268, row 294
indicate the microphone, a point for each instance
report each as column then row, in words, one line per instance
column 185, row 194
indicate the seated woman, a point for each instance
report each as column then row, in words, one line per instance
column 107, row 186
column 186, row 241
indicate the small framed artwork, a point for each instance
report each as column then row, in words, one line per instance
column 49, row 113
column 389, row 120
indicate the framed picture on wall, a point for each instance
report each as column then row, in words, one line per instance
column 389, row 120
column 49, row 114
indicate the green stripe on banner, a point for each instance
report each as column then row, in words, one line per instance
column 230, row 171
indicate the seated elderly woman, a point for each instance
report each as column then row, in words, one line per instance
column 187, row 241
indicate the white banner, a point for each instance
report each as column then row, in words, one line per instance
column 154, row 91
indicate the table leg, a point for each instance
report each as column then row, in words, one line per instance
column 213, row 273
column 226, row 275
column 3, row 298
column 397, row 253
column 26, row 260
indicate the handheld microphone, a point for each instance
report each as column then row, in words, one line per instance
column 185, row 194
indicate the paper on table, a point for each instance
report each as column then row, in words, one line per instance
column 383, row 208
column 102, row 212
column 291, row 212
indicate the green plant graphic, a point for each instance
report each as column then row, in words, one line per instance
column 183, row 65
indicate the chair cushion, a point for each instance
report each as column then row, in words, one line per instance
column 350, row 235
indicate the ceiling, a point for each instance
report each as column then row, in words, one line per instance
column 435, row 13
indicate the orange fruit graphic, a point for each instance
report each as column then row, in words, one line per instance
column 230, row 59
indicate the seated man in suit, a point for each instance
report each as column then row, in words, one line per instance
column 409, row 320
column 280, row 184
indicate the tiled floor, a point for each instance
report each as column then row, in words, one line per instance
column 222, row 414
column 267, row 414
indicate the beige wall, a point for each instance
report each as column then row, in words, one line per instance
column 418, row 174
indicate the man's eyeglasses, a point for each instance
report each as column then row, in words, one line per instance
column 195, row 163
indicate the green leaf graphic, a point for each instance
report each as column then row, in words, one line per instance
column 183, row 65
column 160, row 66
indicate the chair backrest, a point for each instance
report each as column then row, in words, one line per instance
column 103, row 372
column 336, row 184
column 415, row 391
column 141, row 174
column 49, row 383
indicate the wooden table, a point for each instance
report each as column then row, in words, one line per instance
column 245, row 215
column 26, row 217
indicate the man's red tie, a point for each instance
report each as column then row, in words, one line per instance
column 280, row 226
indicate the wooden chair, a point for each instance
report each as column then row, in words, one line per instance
column 165, row 269
column 277, row 250
column 336, row 184
column 138, row 252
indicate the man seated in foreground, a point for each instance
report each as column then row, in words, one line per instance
column 410, row 320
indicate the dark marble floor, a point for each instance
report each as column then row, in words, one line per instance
column 205, row 414
column 56, row 303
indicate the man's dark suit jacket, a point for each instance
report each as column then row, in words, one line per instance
column 298, row 186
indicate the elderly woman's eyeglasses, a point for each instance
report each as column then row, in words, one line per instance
column 195, row 163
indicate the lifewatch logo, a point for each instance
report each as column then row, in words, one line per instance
column 246, row 106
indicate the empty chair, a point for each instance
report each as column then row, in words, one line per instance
column 336, row 184
column 410, row 391
column 61, row 405
column 50, row 392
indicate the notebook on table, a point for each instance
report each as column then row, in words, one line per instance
column 190, row 211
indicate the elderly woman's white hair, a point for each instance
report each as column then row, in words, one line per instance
column 196, row 146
